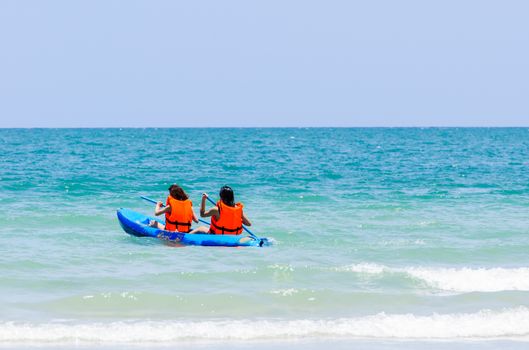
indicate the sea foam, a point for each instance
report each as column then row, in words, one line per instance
column 463, row 279
column 485, row 324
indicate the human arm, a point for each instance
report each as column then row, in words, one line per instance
column 245, row 220
column 210, row 212
column 159, row 209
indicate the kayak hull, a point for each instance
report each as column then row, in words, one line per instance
column 137, row 224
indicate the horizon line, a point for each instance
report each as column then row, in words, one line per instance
column 275, row 127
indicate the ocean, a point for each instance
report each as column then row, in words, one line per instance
column 383, row 238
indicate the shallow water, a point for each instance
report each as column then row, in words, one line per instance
column 380, row 234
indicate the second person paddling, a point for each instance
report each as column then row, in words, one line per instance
column 227, row 217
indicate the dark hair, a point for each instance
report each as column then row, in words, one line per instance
column 177, row 192
column 226, row 195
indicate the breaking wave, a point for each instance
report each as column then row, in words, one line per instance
column 485, row 324
column 456, row 279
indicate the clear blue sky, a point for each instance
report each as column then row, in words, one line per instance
column 264, row 63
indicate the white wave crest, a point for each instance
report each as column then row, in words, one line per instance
column 365, row 268
column 456, row 279
column 470, row 280
column 485, row 324
column 285, row 292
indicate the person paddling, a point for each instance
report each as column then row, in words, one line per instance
column 178, row 211
column 227, row 217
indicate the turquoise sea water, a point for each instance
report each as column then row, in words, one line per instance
column 385, row 234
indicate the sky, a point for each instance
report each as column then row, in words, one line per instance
column 267, row 63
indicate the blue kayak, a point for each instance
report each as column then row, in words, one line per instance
column 137, row 224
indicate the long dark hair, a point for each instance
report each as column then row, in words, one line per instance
column 226, row 195
column 177, row 192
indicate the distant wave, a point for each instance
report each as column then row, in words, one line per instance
column 485, row 324
column 456, row 279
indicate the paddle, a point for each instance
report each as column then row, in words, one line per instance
column 244, row 227
column 155, row 202
column 150, row 200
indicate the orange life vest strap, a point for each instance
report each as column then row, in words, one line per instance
column 223, row 229
column 178, row 223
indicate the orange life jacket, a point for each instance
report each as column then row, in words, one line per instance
column 181, row 215
column 230, row 220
